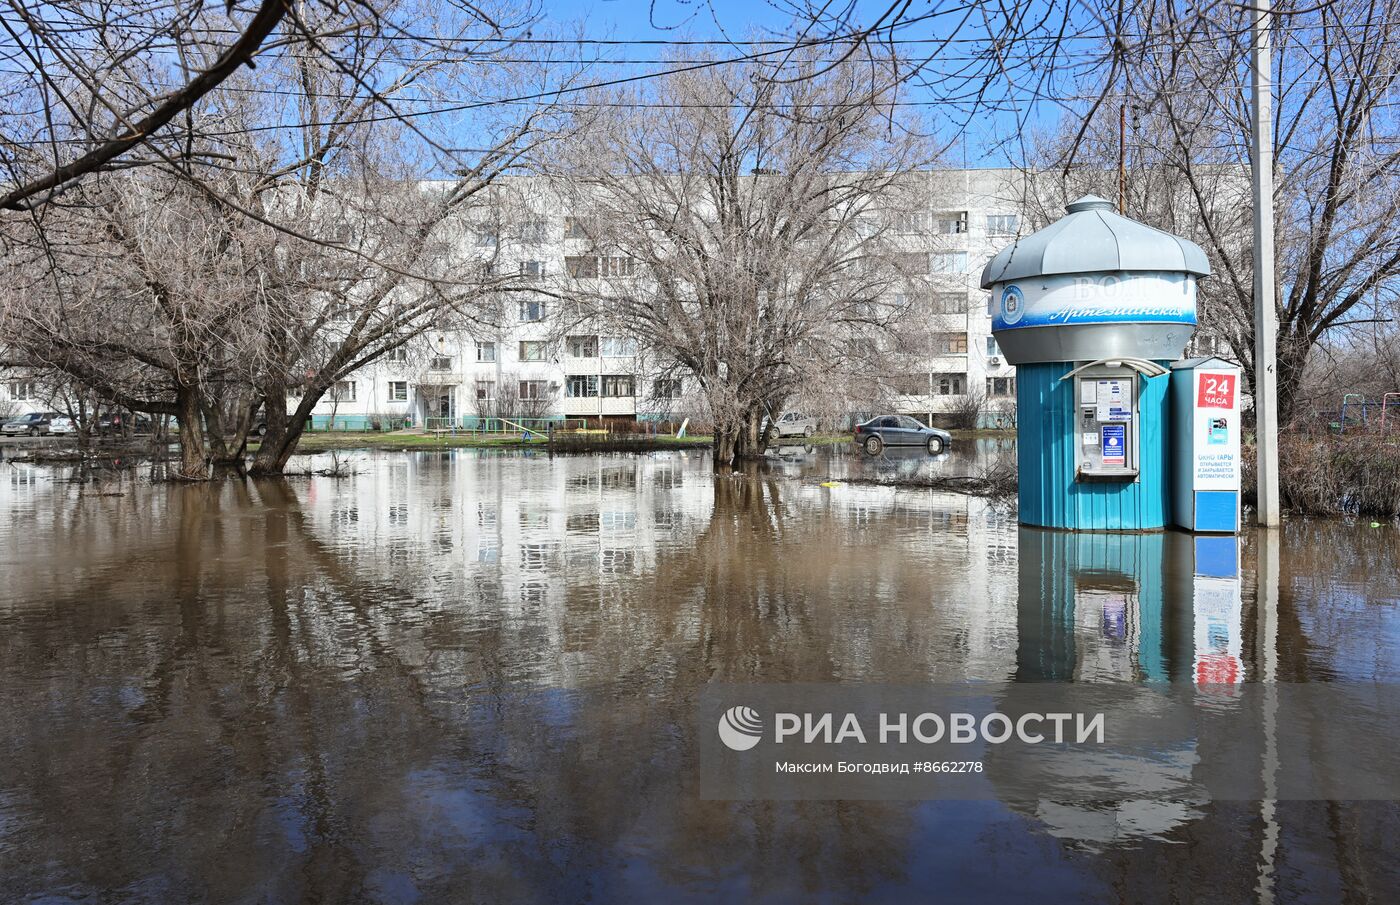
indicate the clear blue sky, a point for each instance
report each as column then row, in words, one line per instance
column 985, row 141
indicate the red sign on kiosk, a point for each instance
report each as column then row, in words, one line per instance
column 1215, row 391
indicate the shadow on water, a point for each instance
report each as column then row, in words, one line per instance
column 471, row 677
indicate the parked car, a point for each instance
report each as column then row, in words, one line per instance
column 900, row 430
column 62, row 425
column 119, row 421
column 33, row 424
column 795, row 424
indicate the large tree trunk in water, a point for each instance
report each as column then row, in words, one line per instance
column 283, row 431
column 726, row 436
column 194, row 459
column 228, row 430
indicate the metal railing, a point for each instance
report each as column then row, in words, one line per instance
column 485, row 428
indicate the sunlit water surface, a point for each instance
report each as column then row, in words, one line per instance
column 459, row 676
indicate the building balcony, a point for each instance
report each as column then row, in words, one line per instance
column 581, row 405
column 599, row 405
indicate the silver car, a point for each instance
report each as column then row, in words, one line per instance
column 33, row 424
column 900, row 430
column 795, row 424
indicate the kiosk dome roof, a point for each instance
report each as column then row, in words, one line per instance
column 1094, row 238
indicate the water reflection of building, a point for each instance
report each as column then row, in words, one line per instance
column 521, row 516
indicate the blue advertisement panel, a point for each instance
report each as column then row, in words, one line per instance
column 1113, row 444
column 1070, row 299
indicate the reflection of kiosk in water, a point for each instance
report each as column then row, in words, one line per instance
column 1093, row 607
column 1108, row 608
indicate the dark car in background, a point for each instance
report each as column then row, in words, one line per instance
column 33, row 424
column 119, row 422
column 900, row 430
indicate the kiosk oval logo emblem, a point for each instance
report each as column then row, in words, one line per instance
column 740, row 728
column 1013, row 304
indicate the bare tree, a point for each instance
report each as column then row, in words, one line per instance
column 517, row 396
column 1337, row 164
column 745, row 226
column 97, row 80
column 307, row 249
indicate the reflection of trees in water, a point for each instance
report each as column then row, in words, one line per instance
column 304, row 718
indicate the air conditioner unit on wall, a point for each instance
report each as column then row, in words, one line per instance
column 994, row 360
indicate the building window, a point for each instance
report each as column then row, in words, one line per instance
column 949, row 344
column 949, row 303
column 581, row 386
column 534, row 350
column 910, row 384
column 618, row 346
column 589, row 266
column 21, row 389
column 487, row 237
column 909, row 222
column 485, row 390
column 398, row 354
column 534, row 231
column 911, row 262
column 616, row 386
column 908, row 302
column 910, row 342
column 952, row 223
column 578, row 227
column 440, row 363
column 533, row 390
column 532, row 269
column 398, row 391
column 343, row 391
column 666, row 388
column 582, row 346
column 951, row 384
column 992, row 350
column 532, row 310
column 1001, row 224
column 485, row 351
column 1001, row 386
column 950, row 262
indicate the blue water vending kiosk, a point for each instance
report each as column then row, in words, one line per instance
column 1092, row 310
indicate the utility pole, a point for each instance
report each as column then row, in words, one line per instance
column 1122, row 158
column 1265, row 317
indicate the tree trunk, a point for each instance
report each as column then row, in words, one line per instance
column 194, row 459
column 283, row 431
column 726, row 436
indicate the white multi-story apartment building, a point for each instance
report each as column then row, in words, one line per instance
column 943, row 361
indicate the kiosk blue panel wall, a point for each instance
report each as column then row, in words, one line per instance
column 1050, row 497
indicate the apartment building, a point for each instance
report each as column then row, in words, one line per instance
column 942, row 360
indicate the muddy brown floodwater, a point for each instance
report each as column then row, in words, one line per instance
column 465, row 677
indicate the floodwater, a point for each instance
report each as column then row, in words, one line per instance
column 457, row 676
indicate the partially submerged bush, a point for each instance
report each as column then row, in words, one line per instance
column 1350, row 474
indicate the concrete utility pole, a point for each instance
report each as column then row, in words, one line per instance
column 1265, row 318
column 1123, row 158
